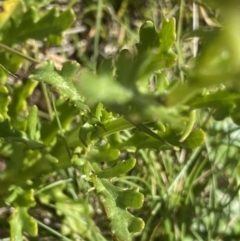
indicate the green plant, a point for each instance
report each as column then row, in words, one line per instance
column 132, row 127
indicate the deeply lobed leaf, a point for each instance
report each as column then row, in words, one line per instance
column 115, row 201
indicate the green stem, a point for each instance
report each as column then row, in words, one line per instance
column 97, row 35
column 13, row 51
column 48, row 103
column 179, row 33
column 125, row 26
column 52, row 185
column 8, row 72
column 158, row 203
column 177, row 179
column 60, row 127
column 53, row 231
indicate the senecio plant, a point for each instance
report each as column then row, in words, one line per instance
column 126, row 149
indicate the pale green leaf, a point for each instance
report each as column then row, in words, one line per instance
column 102, row 88
column 32, row 122
column 20, row 221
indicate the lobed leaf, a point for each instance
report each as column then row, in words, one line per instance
column 53, row 23
column 74, row 218
column 194, row 139
column 14, row 135
column 139, row 140
column 118, row 169
column 130, row 198
column 60, row 79
column 148, row 37
column 20, row 221
column 115, row 201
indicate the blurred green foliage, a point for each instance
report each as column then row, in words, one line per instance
column 140, row 143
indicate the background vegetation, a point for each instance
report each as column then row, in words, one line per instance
column 119, row 120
